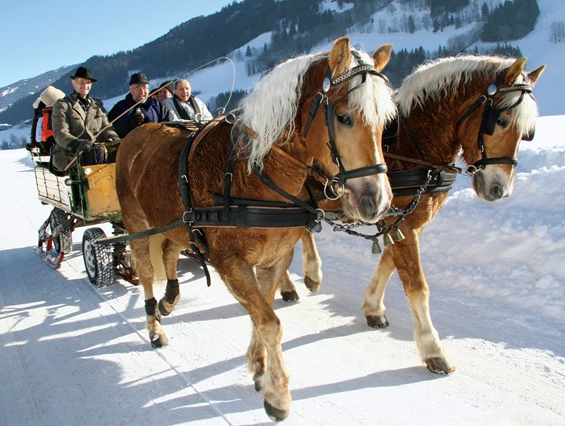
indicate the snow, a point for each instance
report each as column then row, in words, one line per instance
column 72, row 353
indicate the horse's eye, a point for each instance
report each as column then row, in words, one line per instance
column 502, row 122
column 345, row 119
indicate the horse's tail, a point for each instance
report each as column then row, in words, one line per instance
column 156, row 248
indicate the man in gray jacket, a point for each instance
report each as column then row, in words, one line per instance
column 184, row 106
column 77, row 120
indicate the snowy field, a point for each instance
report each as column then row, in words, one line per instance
column 73, row 354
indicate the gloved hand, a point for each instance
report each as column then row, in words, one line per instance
column 137, row 118
column 83, row 145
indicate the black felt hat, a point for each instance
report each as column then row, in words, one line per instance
column 138, row 78
column 83, row 72
column 169, row 85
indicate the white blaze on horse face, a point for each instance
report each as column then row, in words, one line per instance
column 367, row 198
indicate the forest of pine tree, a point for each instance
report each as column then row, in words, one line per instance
column 296, row 26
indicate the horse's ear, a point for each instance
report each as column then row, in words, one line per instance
column 514, row 71
column 534, row 75
column 340, row 56
column 382, row 56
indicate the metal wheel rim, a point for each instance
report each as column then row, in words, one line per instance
column 90, row 259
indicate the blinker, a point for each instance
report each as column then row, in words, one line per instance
column 489, row 121
column 492, row 89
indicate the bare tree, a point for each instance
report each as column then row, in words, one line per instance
column 557, row 32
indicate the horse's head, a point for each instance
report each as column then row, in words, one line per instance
column 491, row 137
column 345, row 103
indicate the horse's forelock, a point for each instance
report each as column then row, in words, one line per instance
column 269, row 110
column 373, row 99
column 524, row 115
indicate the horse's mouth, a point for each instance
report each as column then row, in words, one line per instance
column 366, row 207
column 490, row 191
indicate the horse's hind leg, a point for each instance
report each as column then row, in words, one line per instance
column 265, row 360
column 169, row 301
column 373, row 304
column 141, row 252
column 406, row 256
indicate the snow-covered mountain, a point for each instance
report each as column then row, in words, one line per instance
column 389, row 25
column 11, row 93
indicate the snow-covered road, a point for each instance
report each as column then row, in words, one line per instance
column 71, row 354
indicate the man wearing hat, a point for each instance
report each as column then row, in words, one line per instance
column 137, row 108
column 79, row 121
column 166, row 90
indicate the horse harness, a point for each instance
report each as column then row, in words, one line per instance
column 490, row 118
column 243, row 213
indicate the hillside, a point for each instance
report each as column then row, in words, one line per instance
column 258, row 34
column 28, row 86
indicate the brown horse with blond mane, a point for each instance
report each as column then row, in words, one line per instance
column 478, row 106
column 262, row 155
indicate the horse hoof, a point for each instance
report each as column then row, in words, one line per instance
column 376, row 321
column 290, row 296
column 275, row 414
column 439, row 366
column 159, row 341
column 162, row 309
column 311, row 285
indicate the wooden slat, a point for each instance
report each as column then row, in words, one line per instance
column 51, row 189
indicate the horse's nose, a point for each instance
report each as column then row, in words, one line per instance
column 496, row 192
column 369, row 206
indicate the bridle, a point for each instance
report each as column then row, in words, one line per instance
column 322, row 98
column 490, row 118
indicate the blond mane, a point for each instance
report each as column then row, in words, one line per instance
column 444, row 76
column 270, row 109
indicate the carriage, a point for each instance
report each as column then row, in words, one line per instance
column 86, row 196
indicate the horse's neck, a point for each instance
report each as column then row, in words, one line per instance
column 434, row 133
column 287, row 169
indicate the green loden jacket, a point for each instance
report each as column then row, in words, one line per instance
column 70, row 123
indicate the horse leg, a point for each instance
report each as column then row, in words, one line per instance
column 267, row 279
column 288, row 291
column 373, row 304
column 406, row 256
column 141, row 252
column 312, row 264
column 171, row 253
column 264, row 355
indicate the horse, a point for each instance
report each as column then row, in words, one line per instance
column 330, row 108
column 478, row 106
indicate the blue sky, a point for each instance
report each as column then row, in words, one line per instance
column 41, row 36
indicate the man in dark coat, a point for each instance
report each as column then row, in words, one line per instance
column 147, row 110
column 78, row 121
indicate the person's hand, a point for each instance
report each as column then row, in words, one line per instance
column 83, row 145
column 137, row 118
